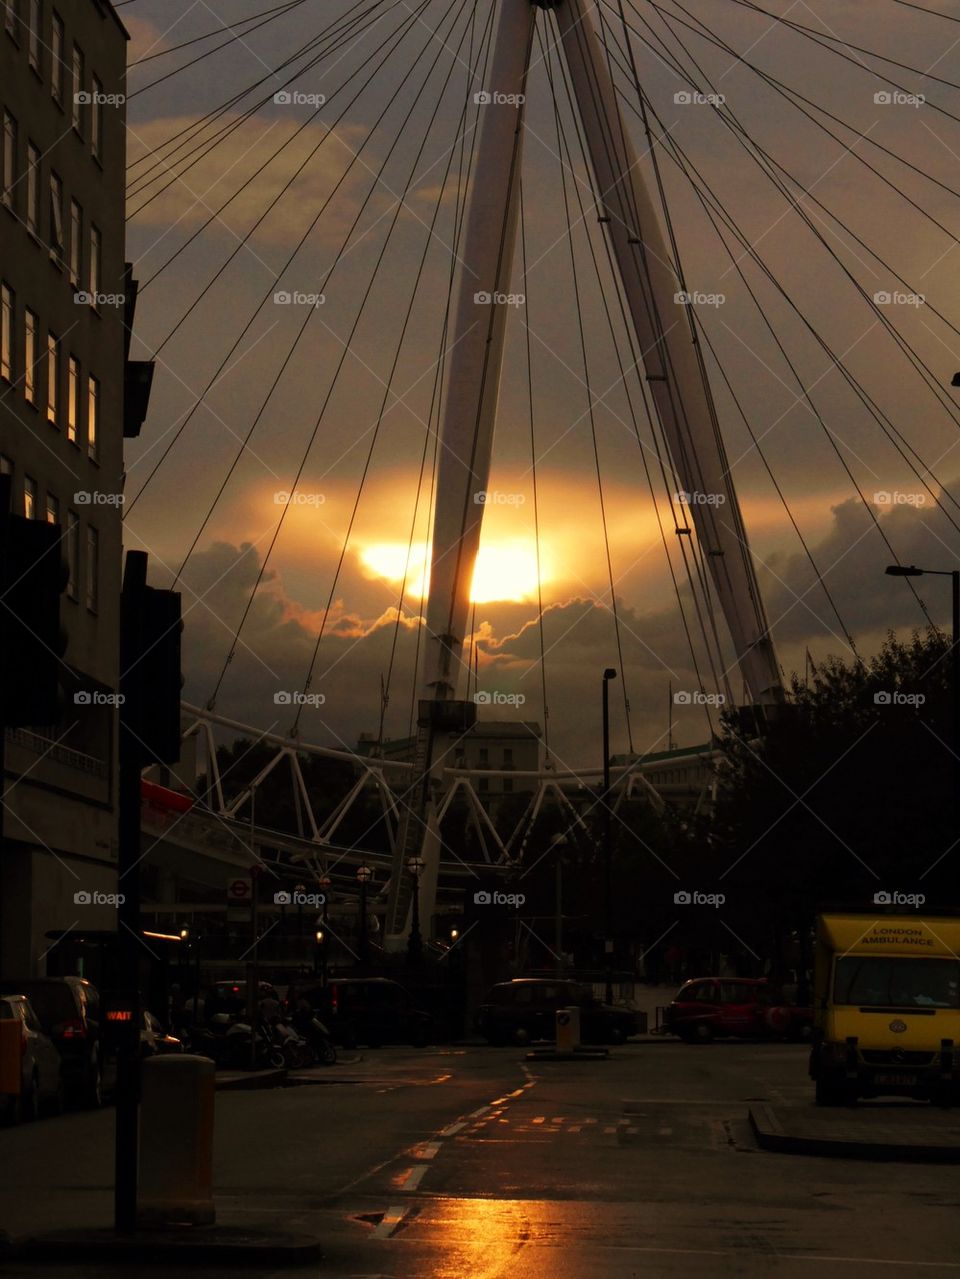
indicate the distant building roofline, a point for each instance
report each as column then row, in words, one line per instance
column 656, row 757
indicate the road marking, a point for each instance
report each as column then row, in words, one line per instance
column 632, row 1131
column 517, row 1092
column 787, row 1256
column 427, row 1151
column 558, row 1120
column 575, row 1128
column 589, row 1121
column 663, row 1132
column 481, row 1111
column 414, row 1176
column 391, row 1219
column 451, row 1130
column 609, row 1131
column 539, row 1119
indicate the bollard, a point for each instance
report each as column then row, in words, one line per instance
column 176, row 1141
column 568, row 1029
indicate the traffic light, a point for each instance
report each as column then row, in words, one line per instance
column 162, row 677
column 33, row 575
column 151, row 679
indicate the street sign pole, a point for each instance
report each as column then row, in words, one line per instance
column 128, row 882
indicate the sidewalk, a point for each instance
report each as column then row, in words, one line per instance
column 910, row 1131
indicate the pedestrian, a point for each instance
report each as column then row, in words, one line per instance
column 269, row 1007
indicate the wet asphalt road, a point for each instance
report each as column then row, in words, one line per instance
column 457, row 1162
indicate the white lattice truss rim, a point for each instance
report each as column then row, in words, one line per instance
column 627, row 781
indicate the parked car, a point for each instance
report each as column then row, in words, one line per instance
column 231, row 997
column 68, row 1009
column 41, row 1082
column 525, row 1009
column 745, row 1008
column 369, row 1010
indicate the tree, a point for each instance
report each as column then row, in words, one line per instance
column 846, row 794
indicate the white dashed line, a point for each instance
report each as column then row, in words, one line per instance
column 427, row 1151
column 391, row 1219
column 452, row 1129
column 414, row 1177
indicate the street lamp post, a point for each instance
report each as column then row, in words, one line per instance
column 608, row 675
column 415, row 941
column 911, row 570
column 558, row 843
column 325, row 884
column 364, row 875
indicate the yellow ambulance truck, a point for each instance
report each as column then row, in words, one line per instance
column 886, row 1007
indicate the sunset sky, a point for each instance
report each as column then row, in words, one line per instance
column 340, row 388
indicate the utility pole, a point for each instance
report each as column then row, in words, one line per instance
column 150, row 684
column 128, row 884
column 608, row 675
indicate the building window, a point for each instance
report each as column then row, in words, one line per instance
column 31, row 354
column 76, row 88
column 73, row 553
column 93, row 568
column 9, row 159
column 483, row 785
column 73, row 398
column 7, row 320
column 76, row 242
column 484, row 760
column 56, row 58
column 56, row 219
column 508, row 757
column 93, row 272
column 93, row 416
column 53, row 510
column 11, row 18
column 33, row 189
column 508, row 786
column 29, row 497
column 33, row 39
column 96, row 119
column 6, row 465
column 53, row 379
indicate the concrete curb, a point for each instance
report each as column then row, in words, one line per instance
column 579, row 1054
column 215, row 1246
column 770, row 1135
column 236, row 1081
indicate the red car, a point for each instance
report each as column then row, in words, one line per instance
column 746, row 1008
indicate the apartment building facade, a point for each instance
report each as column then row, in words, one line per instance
column 63, row 320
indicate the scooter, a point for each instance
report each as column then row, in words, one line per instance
column 297, row 1052
column 317, row 1038
column 238, row 1053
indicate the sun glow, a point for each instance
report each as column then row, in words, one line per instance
column 505, row 571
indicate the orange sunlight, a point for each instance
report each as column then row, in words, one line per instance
column 505, row 570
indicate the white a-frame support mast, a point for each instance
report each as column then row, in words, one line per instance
column 667, row 340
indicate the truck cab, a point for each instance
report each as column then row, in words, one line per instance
column 886, row 1008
